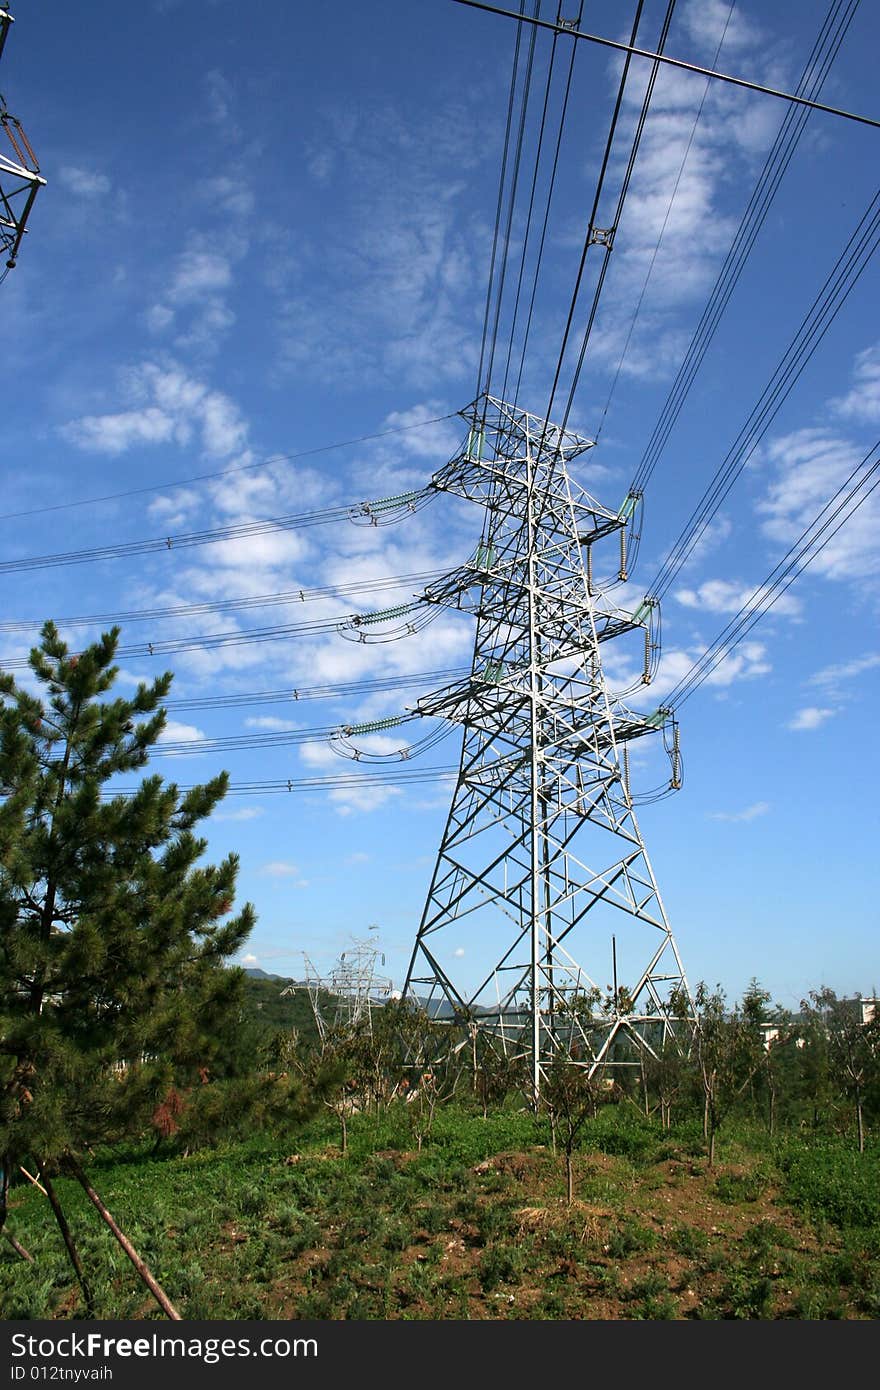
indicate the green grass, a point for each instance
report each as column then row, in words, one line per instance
column 473, row 1225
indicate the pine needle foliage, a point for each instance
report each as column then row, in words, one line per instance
column 113, row 934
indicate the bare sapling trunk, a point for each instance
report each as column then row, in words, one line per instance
column 712, row 1132
column 144, row 1272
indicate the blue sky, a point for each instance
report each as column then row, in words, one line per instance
column 268, row 231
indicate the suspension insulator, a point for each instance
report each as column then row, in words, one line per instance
column 474, row 450
column 589, row 569
column 676, row 760
column 646, row 670
column 622, row 574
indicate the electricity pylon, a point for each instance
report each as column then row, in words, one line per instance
column 542, row 877
column 20, row 178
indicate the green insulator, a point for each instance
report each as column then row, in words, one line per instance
column 493, row 671
column 642, row 611
column 484, row 557
column 628, row 506
column 375, row 726
column 476, row 440
column 384, row 504
column 384, row 614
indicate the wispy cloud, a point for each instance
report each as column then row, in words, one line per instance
column 175, row 732
column 862, row 402
column 397, row 304
column 729, row 596
column 759, row 808
column 279, row 868
column 809, row 467
column 270, row 722
column 168, row 405
column 675, row 225
column 810, row 718
column 84, row 183
column 847, row 670
column 241, row 813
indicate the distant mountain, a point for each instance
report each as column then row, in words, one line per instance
column 257, row 974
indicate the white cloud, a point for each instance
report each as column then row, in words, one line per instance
column 159, row 317
column 173, row 511
column 222, row 103
column 706, row 21
column 243, row 813
column 458, row 952
column 279, row 868
column 748, row 661
column 198, row 273
column 729, row 596
column 168, row 405
column 249, row 959
column 232, row 195
column 366, row 798
column 810, row 718
column 269, row 721
column 116, row 433
column 390, row 307
column 175, row 732
column 862, row 401
column 85, row 183
column 759, row 808
column 810, row 466
column 848, row 670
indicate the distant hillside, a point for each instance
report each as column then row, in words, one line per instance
column 268, row 1011
column 257, row 974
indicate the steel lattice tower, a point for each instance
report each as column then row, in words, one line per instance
column 20, row 178
column 542, row 863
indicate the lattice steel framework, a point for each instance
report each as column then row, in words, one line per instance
column 344, row 999
column 20, row 178
column 541, row 868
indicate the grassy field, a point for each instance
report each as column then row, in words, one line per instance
column 473, row 1225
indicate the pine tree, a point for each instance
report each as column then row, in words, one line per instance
column 113, row 936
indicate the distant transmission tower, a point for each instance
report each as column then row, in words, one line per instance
column 542, row 874
column 20, row 178
column 344, row 999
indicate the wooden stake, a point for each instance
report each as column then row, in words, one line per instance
column 144, row 1272
column 30, row 1177
column 18, row 1248
column 72, row 1251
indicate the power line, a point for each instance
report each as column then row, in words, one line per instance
column 524, row 105
column 550, row 191
column 226, row 472
column 410, row 618
column 348, row 781
column 815, row 324
column 382, row 512
column 608, row 236
column 591, row 224
column 631, row 51
column 839, row 509
column 662, row 232
column 295, row 694
column 232, row 605
column 548, row 86
column 774, row 169
column 511, row 101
